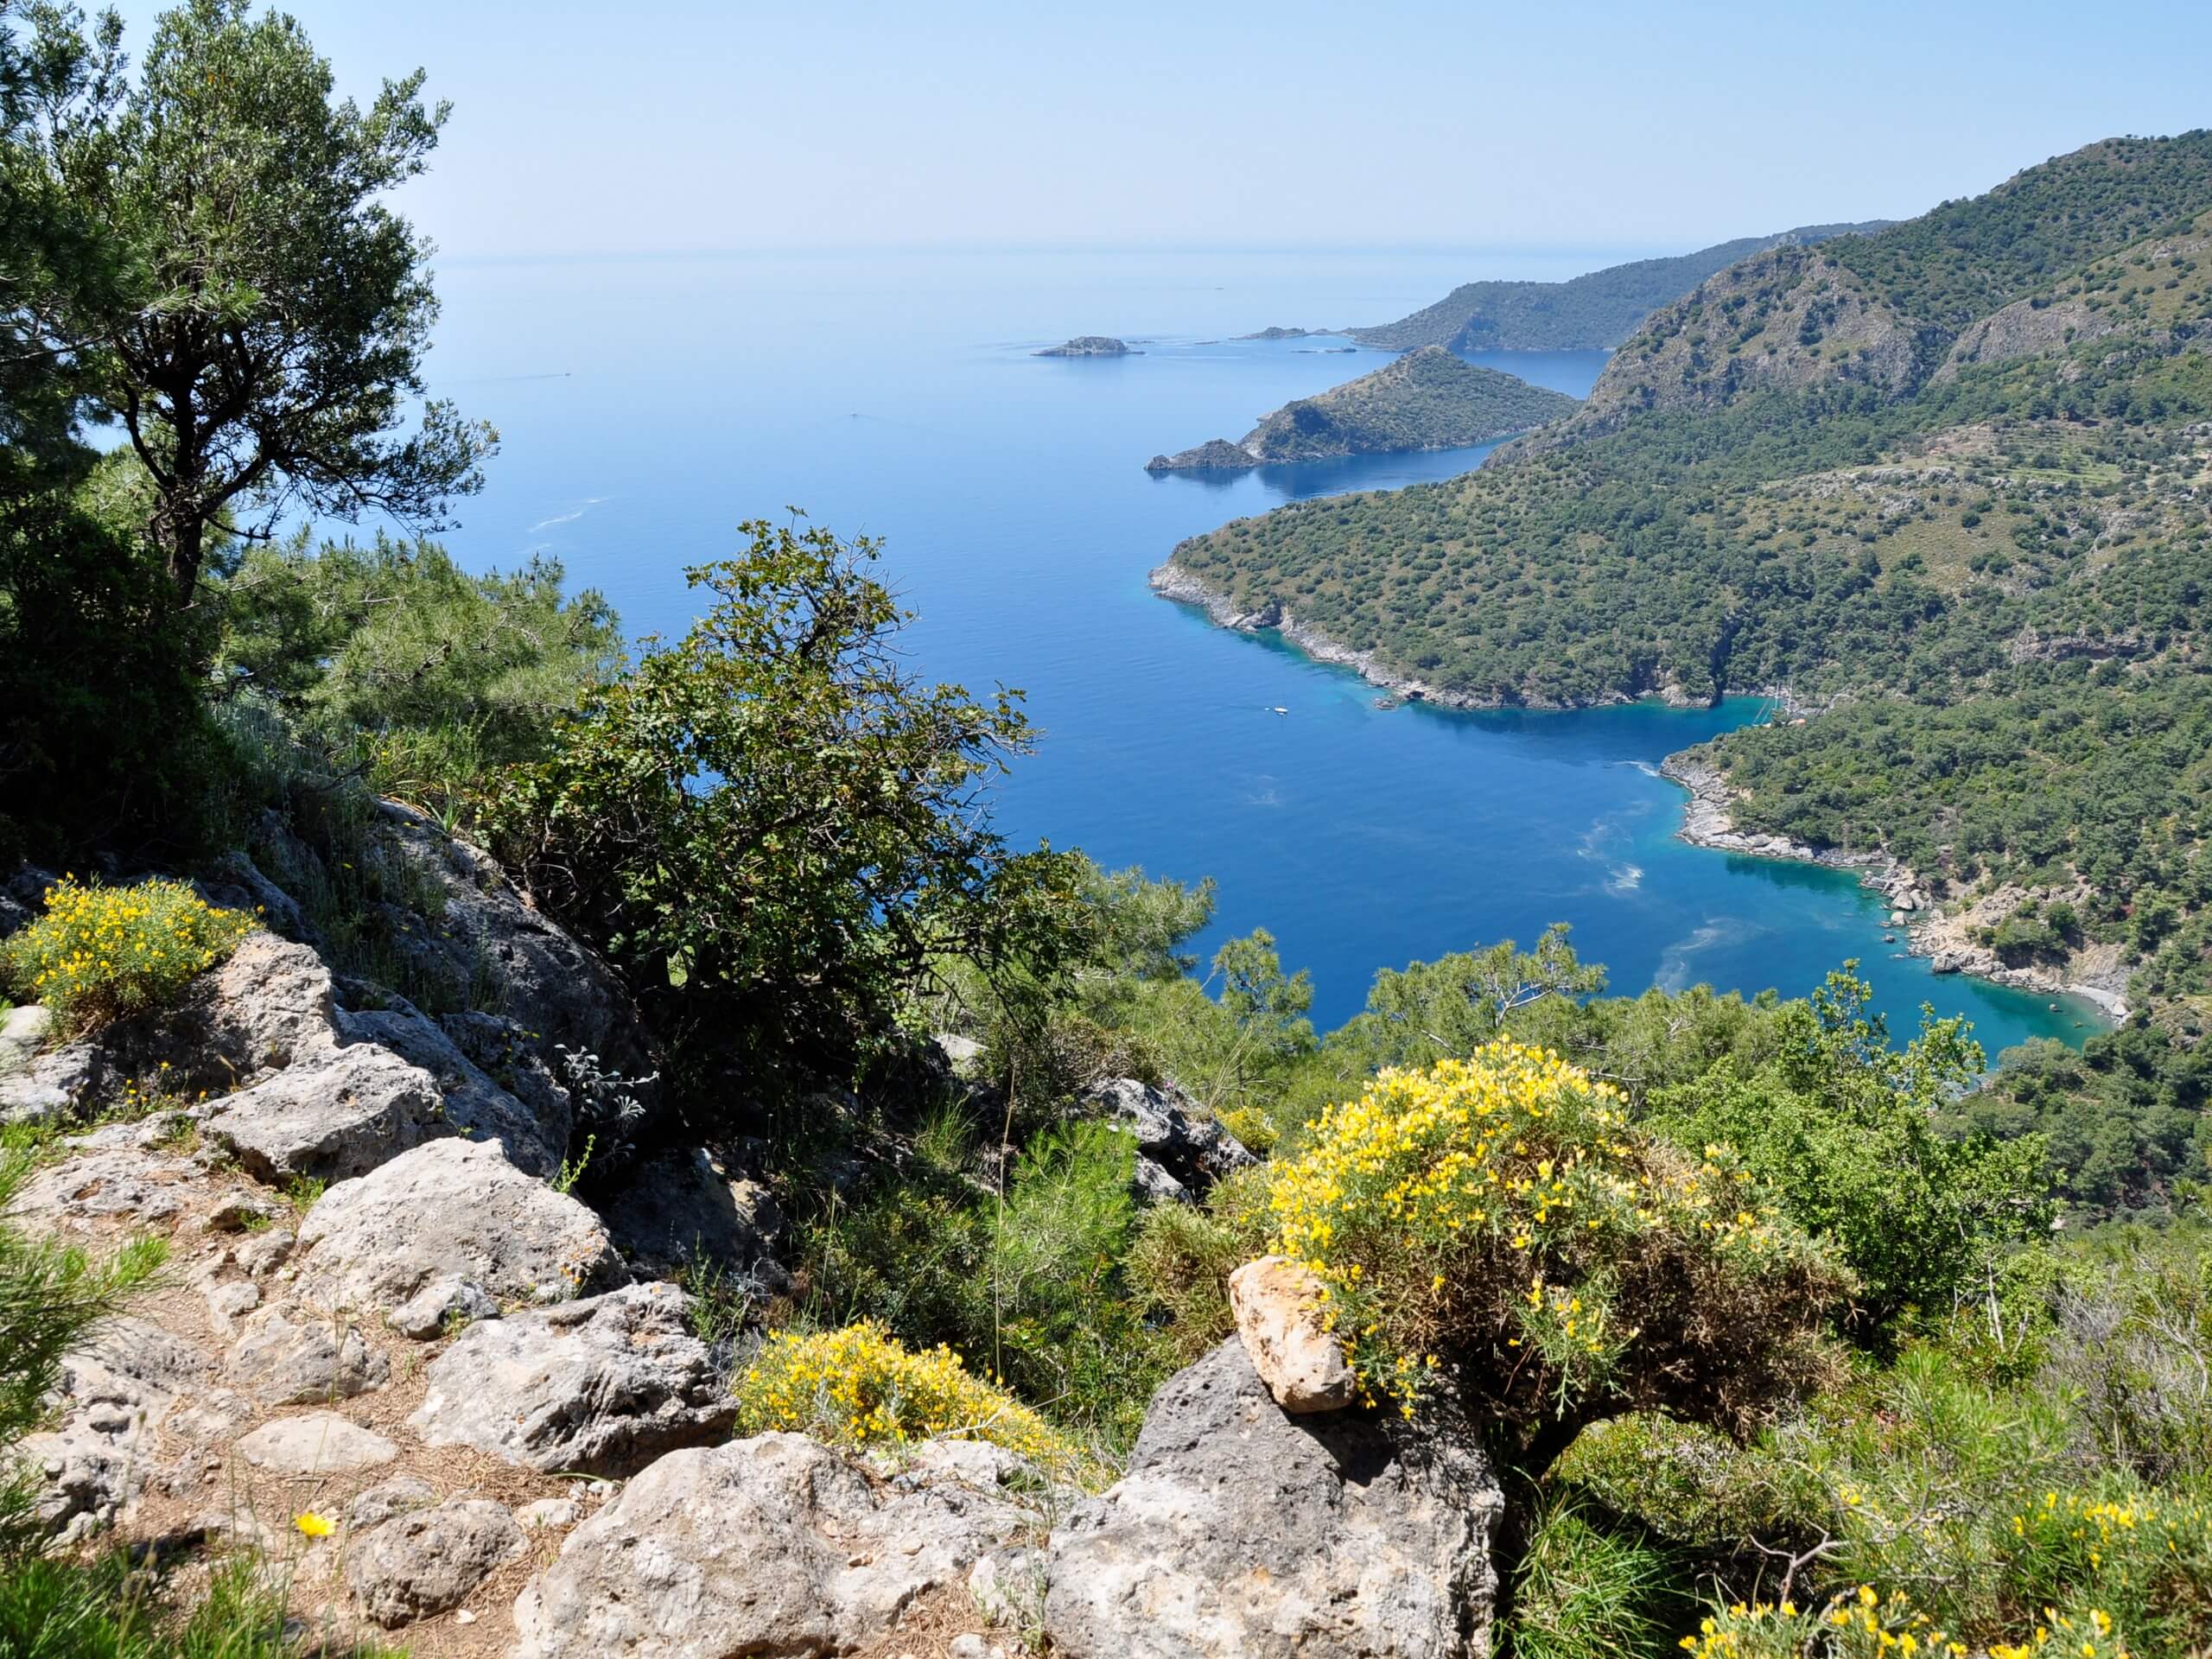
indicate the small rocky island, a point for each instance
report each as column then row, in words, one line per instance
column 1089, row 346
column 1287, row 334
column 1428, row 399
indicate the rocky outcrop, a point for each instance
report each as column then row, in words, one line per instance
column 1215, row 454
column 1239, row 1532
column 682, row 1205
column 1089, row 346
column 455, row 1218
column 422, row 1563
column 771, row 1545
column 342, row 1113
column 535, row 1137
column 1181, row 1151
column 286, row 1356
column 1278, row 1305
column 599, row 1386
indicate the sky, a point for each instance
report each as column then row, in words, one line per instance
column 686, row 126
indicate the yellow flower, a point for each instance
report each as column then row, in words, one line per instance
column 312, row 1525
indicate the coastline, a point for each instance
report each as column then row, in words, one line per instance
column 1946, row 941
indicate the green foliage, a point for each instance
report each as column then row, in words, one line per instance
column 1449, row 1007
column 107, row 1608
column 265, row 337
column 1181, row 1258
column 1843, row 1129
column 1586, row 1592
column 770, row 826
column 98, row 954
column 435, row 675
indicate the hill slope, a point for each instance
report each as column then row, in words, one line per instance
column 1599, row 309
column 1948, row 484
column 1428, row 399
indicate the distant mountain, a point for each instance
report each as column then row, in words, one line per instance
column 1600, row 309
column 1428, row 399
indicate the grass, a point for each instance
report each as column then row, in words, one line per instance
column 1588, row 1594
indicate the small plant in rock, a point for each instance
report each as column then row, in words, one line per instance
column 104, row 953
column 860, row 1388
column 607, row 1112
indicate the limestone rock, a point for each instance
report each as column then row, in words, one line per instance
column 401, row 1495
column 769, row 1544
column 440, row 1305
column 550, row 1513
column 601, row 1386
column 476, row 1106
column 448, row 1209
column 317, row 1443
column 1241, row 1531
column 288, row 1356
column 112, row 1184
column 680, row 1205
column 1278, row 1309
column 1181, row 1152
column 331, row 1119
column 425, row 1562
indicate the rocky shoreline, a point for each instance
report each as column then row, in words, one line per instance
column 2095, row 975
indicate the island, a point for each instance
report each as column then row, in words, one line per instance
column 1288, row 334
column 1428, row 399
column 1089, row 346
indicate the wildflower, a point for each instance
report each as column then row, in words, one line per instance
column 312, row 1525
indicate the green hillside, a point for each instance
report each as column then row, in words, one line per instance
column 1948, row 484
column 1598, row 309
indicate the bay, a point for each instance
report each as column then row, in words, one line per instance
column 648, row 405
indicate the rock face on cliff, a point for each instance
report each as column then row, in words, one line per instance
column 1181, row 1152
column 1240, row 1532
column 1215, row 454
column 1089, row 346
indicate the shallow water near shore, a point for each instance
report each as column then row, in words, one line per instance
column 896, row 395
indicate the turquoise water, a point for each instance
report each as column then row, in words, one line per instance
column 649, row 406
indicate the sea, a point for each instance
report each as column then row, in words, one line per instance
column 647, row 406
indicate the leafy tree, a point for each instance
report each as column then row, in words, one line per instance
column 770, row 826
column 1844, row 1129
column 1266, row 1005
column 265, row 337
column 1433, row 1010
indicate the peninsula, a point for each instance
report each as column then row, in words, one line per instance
column 1428, row 399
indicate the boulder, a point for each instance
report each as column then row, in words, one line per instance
column 422, row 1563
column 401, row 1495
column 286, row 1355
column 535, row 1140
column 1278, row 1304
column 680, row 1206
column 601, row 1386
column 1241, row 1531
column 771, row 1545
column 449, row 1209
column 318, row 1443
column 330, row 1118
column 108, row 1183
column 1181, row 1152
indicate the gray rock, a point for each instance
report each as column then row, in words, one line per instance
column 288, row 1356
column 336, row 1116
column 1239, row 1530
column 1181, row 1152
column 120, row 1421
column 317, row 1443
column 116, row 1184
column 680, row 1205
column 441, row 1306
column 228, row 1303
column 449, row 1209
column 422, row 1563
column 769, row 1544
column 601, row 1386
column 259, row 1254
column 401, row 1495
column 476, row 1106
column 550, row 1514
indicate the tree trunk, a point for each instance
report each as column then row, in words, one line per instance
column 186, row 539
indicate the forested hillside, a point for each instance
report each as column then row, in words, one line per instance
column 1598, row 309
column 1947, row 483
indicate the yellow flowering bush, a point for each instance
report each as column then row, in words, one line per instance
column 104, row 953
column 1862, row 1624
column 1499, row 1219
column 859, row 1387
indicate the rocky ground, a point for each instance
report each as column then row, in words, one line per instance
column 384, row 1313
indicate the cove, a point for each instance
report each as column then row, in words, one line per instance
column 895, row 394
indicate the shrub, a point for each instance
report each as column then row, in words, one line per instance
column 1587, row 1594
column 859, row 1387
column 104, row 953
column 1498, row 1224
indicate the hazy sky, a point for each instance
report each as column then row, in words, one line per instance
column 685, row 125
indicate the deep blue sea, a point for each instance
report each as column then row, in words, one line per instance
column 647, row 406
